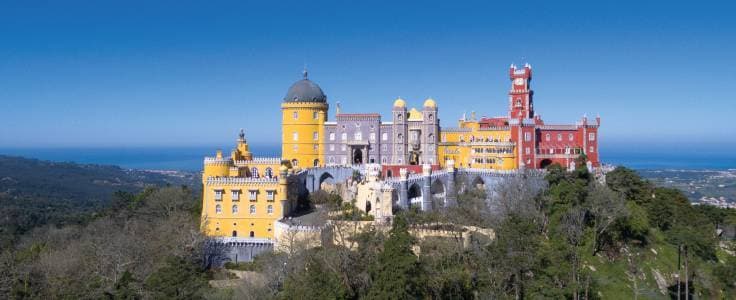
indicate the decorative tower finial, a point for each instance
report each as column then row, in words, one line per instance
column 242, row 134
column 337, row 110
column 304, row 72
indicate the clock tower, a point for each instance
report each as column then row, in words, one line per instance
column 521, row 105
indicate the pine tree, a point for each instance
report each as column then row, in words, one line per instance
column 396, row 273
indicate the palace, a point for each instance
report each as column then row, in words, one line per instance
column 243, row 195
column 408, row 160
column 414, row 137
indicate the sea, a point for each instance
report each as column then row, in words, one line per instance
column 190, row 158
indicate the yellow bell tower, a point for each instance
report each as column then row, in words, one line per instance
column 303, row 115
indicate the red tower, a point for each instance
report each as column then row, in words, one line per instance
column 521, row 105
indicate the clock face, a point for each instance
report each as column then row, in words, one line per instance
column 519, row 81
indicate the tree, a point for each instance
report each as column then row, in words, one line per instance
column 396, row 273
column 177, row 279
column 513, row 254
column 606, row 207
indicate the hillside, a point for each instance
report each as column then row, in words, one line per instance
column 35, row 192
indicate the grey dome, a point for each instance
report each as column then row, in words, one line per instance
column 305, row 91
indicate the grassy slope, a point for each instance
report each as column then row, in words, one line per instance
column 614, row 281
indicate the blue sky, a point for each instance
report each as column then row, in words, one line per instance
column 178, row 73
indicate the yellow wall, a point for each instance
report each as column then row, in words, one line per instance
column 457, row 146
column 305, row 125
column 227, row 174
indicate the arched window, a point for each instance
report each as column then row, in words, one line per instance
column 518, row 102
column 269, row 209
column 235, row 209
column 358, row 136
column 400, row 116
column 430, row 138
column 315, row 115
column 332, row 136
column 252, row 234
column 268, row 172
column 569, row 137
column 294, row 163
column 218, row 209
column 559, row 137
column 295, row 136
column 252, row 209
column 431, row 117
column 344, row 136
column 384, row 136
column 400, row 137
column 383, row 160
column 316, row 162
column 547, row 137
column 315, row 136
column 296, row 115
column 254, row 172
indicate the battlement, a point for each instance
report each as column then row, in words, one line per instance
column 240, row 180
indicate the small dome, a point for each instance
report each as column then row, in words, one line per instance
column 430, row 103
column 305, row 91
column 399, row 103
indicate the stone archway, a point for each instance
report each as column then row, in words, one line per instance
column 545, row 163
column 326, row 181
column 479, row 183
column 415, row 194
column 357, row 156
column 438, row 192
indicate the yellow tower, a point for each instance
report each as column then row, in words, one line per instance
column 303, row 115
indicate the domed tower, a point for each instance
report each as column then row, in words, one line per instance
column 303, row 115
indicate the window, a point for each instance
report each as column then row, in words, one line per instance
column 270, row 195
column 332, row 159
column 527, row 136
column 344, row 136
column 268, row 173
column 332, row 147
column 218, row 209
column 431, row 117
column 547, row 137
column 253, row 195
column 296, row 148
column 315, row 147
column 384, row 136
column 414, row 135
column 344, row 160
column 559, row 137
column 235, row 209
column 527, row 151
column 269, row 209
column 332, row 136
column 296, row 115
column 236, row 195
column 315, row 115
column 342, row 147
column 430, row 138
column 518, row 102
column 294, row 163
column 252, row 209
column 315, row 136
column 254, row 172
column 358, row 136
column 295, row 136
column 384, row 148
column 400, row 137
column 591, row 149
column 218, row 195
column 400, row 116
column 372, row 136
column 570, row 137
column 383, row 160
column 591, row 136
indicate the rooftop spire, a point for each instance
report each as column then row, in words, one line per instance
column 242, row 134
column 304, row 72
